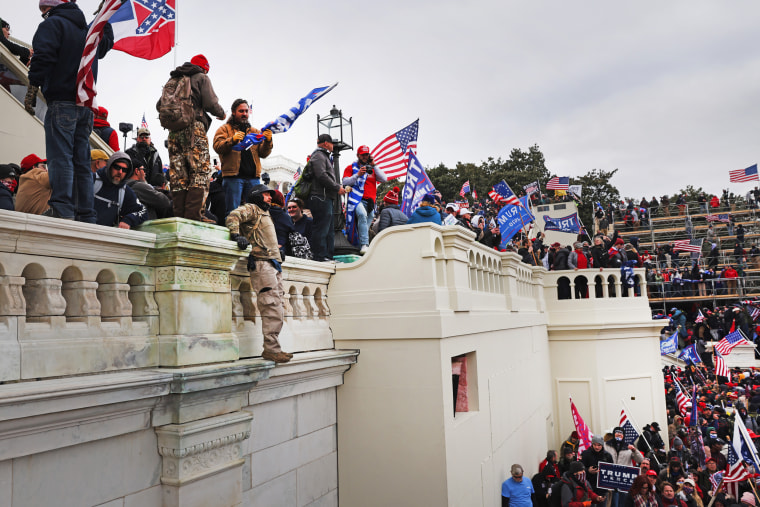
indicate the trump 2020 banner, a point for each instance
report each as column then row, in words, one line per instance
column 511, row 219
column 569, row 223
column 613, row 476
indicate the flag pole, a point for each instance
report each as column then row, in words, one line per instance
column 720, row 484
column 630, row 416
column 176, row 30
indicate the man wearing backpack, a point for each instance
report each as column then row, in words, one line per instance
column 240, row 169
column 58, row 46
column 189, row 164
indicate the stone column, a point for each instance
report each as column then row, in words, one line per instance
column 44, row 301
column 193, row 291
column 82, row 304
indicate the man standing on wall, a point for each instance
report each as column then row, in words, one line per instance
column 324, row 190
column 363, row 177
column 189, row 163
column 58, row 46
column 240, row 169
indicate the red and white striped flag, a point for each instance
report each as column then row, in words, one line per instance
column 584, row 434
column 682, row 400
column 85, row 79
column 721, row 369
column 391, row 155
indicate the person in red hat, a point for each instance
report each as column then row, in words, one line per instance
column 391, row 214
column 362, row 176
column 104, row 130
column 33, row 186
column 189, row 163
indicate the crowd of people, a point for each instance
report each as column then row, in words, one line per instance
column 687, row 472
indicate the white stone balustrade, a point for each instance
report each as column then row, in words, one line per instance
column 78, row 298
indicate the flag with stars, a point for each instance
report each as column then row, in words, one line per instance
column 143, row 123
column 391, row 155
column 465, row 188
column 682, row 400
column 503, row 194
column 145, row 28
column 736, row 473
column 630, row 433
column 730, row 341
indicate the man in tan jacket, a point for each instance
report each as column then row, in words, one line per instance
column 33, row 186
column 241, row 170
column 250, row 224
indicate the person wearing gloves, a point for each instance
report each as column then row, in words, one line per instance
column 241, row 170
column 251, row 224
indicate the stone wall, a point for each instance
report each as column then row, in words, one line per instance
column 130, row 375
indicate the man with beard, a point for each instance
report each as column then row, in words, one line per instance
column 144, row 154
column 241, row 170
column 251, row 224
column 116, row 203
column 622, row 454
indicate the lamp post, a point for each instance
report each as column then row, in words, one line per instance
column 341, row 130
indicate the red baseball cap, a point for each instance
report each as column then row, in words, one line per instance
column 30, row 161
column 362, row 150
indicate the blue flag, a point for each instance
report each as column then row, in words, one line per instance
column 570, row 224
column 670, row 345
column 689, row 354
column 512, row 218
column 416, row 186
column 285, row 120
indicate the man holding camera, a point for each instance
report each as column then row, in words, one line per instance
column 240, row 169
column 362, row 176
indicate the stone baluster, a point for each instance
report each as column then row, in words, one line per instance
column 143, row 301
column 312, row 311
column 82, row 303
column 114, row 301
column 296, row 302
column 321, row 302
column 12, row 301
column 248, row 300
column 44, row 301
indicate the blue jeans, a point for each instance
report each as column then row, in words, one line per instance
column 362, row 222
column 67, row 144
column 322, row 231
column 235, row 190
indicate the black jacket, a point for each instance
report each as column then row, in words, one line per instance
column 6, row 198
column 324, row 185
column 58, row 45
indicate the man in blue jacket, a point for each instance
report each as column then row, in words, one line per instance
column 115, row 203
column 58, row 46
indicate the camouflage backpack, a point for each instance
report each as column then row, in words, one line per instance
column 175, row 107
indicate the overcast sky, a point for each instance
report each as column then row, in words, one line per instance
column 666, row 92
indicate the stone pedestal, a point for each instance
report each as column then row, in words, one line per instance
column 193, row 292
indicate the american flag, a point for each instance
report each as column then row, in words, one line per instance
column 143, row 123
column 743, row 444
column 474, row 194
column 391, row 154
column 688, row 245
column 297, row 174
column 742, row 175
column 736, row 472
column 531, row 188
column 720, row 366
column 754, row 312
column 681, row 400
column 721, row 217
column 502, row 194
column 715, row 480
column 465, row 188
column 731, row 340
column 584, row 434
column 85, row 78
column 700, row 317
column 630, row 433
column 558, row 183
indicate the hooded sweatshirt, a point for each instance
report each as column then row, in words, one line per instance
column 58, row 45
column 425, row 214
column 117, row 203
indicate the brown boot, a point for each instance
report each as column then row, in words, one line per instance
column 277, row 357
column 178, row 203
column 194, row 203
